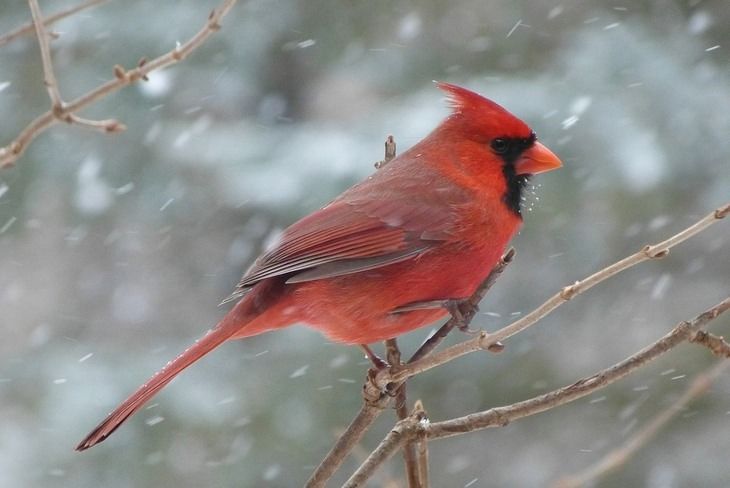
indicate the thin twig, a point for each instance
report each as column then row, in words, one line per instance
column 619, row 456
column 346, row 442
column 29, row 27
column 422, row 447
column 716, row 344
column 106, row 125
column 401, row 408
column 10, row 153
column 500, row 416
column 484, row 341
column 49, row 77
column 390, row 149
column 412, row 427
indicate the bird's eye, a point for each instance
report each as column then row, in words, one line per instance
column 500, row 145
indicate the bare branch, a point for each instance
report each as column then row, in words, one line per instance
column 108, row 125
column 412, row 427
column 390, row 148
column 484, row 341
column 718, row 345
column 29, row 27
column 10, row 153
column 409, row 428
column 618, row 457
column 422, row 447
column 346, row 442
column 49, row 77
column 401, row 409
column 684, row 331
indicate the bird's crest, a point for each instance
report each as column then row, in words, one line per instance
column 482, row 114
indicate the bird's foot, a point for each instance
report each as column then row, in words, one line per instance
column 459, row 308
column 462, row 309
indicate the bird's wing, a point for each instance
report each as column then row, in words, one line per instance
column 351, row 235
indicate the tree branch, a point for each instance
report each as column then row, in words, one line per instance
column 29, row 27
column 49, row 77
column 484, row 341
column 347, row 441
column 412, row 427
column 684, row 331
column 401, row 409
column 422, row 446
column 618, row 457
column 716, row 344
column 10, row 153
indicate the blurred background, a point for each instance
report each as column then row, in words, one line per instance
column 115, row 250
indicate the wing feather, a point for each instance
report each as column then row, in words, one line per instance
column 361, row 230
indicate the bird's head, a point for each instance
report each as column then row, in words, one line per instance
column 508, row 137
column 499, row 133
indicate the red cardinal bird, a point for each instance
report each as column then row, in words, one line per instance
column 426, row 228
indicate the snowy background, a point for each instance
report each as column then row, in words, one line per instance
column 115, row 250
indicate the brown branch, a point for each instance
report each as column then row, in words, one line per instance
column 347, row 441
column 10, row 153
column 422, row 447
column 49, row 77
column 716, row 344
column 29, row 27
column 401, row 409
column 484, row 341
column 390, row 149
column 618, row 457
column 684, row 331
column 411, row 427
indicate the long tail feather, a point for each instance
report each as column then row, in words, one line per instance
column 238, row 317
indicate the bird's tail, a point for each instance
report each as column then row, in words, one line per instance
column 243, row 313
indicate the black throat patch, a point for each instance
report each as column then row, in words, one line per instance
column 514, row 147
column 515, row 186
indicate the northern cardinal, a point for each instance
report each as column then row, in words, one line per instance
column 426, row 228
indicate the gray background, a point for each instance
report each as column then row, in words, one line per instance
column 123, row 245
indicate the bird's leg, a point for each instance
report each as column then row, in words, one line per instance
column 460, row 308
column 377, row 361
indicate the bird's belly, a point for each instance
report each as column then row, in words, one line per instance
column 358, row 308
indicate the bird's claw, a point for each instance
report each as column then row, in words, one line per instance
column 460, row 309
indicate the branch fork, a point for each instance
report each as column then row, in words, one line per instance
column 65, row 112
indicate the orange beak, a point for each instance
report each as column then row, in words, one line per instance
column 537, row 159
